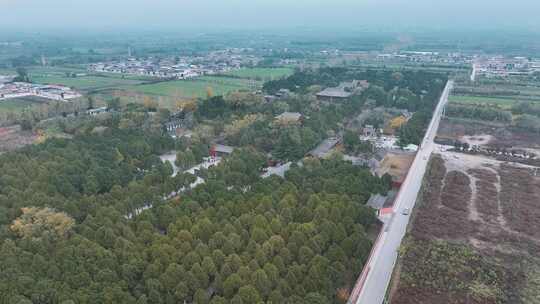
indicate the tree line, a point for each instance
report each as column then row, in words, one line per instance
column 479, row 112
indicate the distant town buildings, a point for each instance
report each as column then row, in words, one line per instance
column 216, row 62
column 500, row 66
column 425, row 57
column 23, row 89
column 6, row 78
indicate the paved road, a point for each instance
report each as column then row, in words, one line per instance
column 375, row 278
column 474, row 71
column 171, row 157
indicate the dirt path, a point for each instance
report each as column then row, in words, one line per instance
column 468, row 164
column 500, row 218
column 473, row 208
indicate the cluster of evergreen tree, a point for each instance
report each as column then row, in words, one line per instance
column 354, row 145
column 65, row 236
column 418, row 82
column 413, row 131
column 531, row 108
column 235, row 239
column 291, row 141
column 416, row 91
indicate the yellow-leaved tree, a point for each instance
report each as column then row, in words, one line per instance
column 236, row 126
column 397, row 122
column 209, row 92
column 38, row 223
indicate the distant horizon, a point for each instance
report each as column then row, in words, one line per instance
column 291, row 31
column 205, row 15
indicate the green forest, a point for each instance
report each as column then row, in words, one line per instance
column 236, row 239
column 72, row 230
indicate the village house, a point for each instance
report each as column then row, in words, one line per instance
column 369, row 131
column 179, row 124
column 22, row 89
column 333, row 94
column 325, row 147
column 367, row 161
column 289, row 118
column 376, row 201
column 6, row 78
column 343, row 91
column 172, row 126
column 278, row 170
column 96, row 111
column 270, row 98
column 219, row 150
column 382, row 203
column 283, row 93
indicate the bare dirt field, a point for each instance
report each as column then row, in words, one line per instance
column 475, row 236
column 12, row 138
column 490, row 134
column 396, row 164
column 480, row 140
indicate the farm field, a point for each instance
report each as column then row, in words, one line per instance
column 262, row 73
column 121, row 76
column 499, row 135
column 503, row 102
column 475, row 237
column 93, row 81
column 249, row 78
column 85, row 83
column 16, row 104
column 195, row 87
column 502, row 93
column 47, row 70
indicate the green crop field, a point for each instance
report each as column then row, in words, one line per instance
column 504, row 102
column 16, row 104
column 85, row 83
column 262, row 73
column 124, row 76
column 46, row 71
column 195, row 87
column 94, row 81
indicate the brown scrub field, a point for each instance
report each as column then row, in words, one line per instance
column 475, row 236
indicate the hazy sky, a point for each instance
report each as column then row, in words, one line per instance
column 216, row 14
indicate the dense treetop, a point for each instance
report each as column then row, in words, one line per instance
column 236, row 239
column 65, row 236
